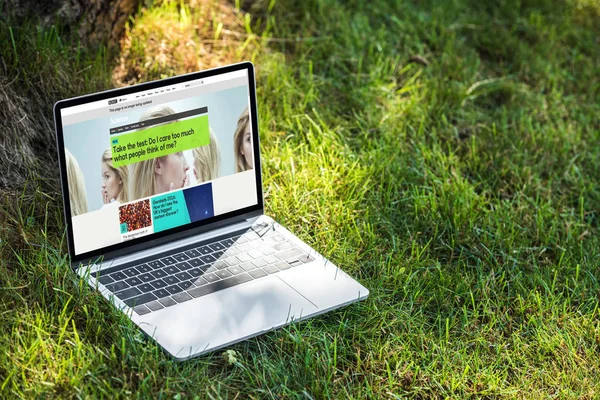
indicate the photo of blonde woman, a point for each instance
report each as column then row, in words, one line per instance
column 77, row 196
column 114, row 181
column 207, row 160
column 161, row 174
column 242, row 143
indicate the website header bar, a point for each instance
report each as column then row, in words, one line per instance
column 112, row 105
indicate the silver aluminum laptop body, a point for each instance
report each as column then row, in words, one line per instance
column 191, row 328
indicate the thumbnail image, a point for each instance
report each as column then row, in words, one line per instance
column 135, row 216
column 199, row 201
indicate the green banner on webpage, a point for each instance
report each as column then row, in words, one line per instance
column 160, row 140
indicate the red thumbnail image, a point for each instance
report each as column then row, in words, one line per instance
column 135, row 215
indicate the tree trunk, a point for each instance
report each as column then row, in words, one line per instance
column 97, row 22
column 26, row 128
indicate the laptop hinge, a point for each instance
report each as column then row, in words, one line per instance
column 181, row 241
column 253, row 219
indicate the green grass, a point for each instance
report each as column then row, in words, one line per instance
column 463, row 193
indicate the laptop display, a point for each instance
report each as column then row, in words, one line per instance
column 157, row 158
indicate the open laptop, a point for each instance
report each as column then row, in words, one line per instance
column 165, row 217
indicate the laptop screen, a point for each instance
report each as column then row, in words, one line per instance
column 150, row 161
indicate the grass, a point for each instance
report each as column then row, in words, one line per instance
column 443, row 153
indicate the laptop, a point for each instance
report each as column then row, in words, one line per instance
column 164, row 214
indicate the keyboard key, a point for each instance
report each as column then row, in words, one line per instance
column 282, row 265
column 145, row 287
column 159, row 273
column 171, row 270
column 262, row 233
column 159, row 283
column 156, row 264
column 168, row 260
column 265, row 233
column 243, row 248
column 141, row 310
column 146, row 277
column 284, row 255
column 196, row 262
column 306, row 258
column 133, row 281
column 294, row 263
column 211, row 269
column 220, row 265
column 232, row 251
column 204, row 250
column 208, row 259
column 145, row 298
column 192, row 253
column 267, row 250
column 223, row 274
column 117, row 286
column 127, row 293
column 131, row 272
column 299, row 253
column 247, row 266
column 259, row 262
column 271, row 269
column 235, row 270
column 220, row 285
column 217, row 246
column 199, row 281
column 270, row 259
column 227, row 242
column 180, row 257
column 218, row 254
column 255, row 254
column 257, row 273
column 231, row 261
column 244, row 257
column 211, row 277
column 195, row 272
column 183, row 266
column 181, row 297
column 155, row 305
column 174, row 289
column 105, row 279
column 251, row 236
column 167, row 302
column 161, row 293
column 182, row 276
column 171, row 280
column 277, row 238
column 265, row 240
column 143, row 268
column 185, row 285
column 118, row 276
column 283, row 246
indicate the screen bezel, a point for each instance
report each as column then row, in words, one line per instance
column 155, row 237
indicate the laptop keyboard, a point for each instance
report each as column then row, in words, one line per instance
column 171, row 278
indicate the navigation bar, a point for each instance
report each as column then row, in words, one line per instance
column 158, row 121
column 116, row 101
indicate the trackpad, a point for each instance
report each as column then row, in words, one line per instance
column 325, row 285
column 227, row 316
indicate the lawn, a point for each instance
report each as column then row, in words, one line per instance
column 444, row 153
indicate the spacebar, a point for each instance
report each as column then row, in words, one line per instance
column 220, row 285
